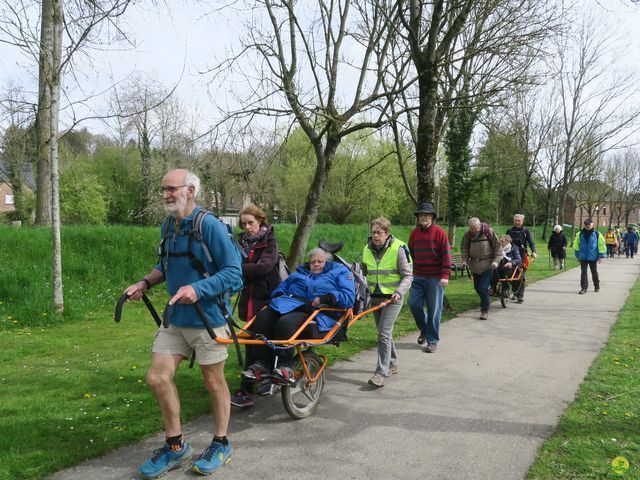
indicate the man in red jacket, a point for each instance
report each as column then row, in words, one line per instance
column 431, row 252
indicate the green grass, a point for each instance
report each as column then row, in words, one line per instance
column 73, row 387
column 603, row 422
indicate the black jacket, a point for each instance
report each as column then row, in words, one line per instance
column 557, row 244
column 260, row 273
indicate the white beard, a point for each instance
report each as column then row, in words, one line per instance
column 179, row 205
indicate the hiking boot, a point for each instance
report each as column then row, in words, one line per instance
column 377, row 380
column 484, row 315
column 431, row 348
column 213, row 457
column 283, row 376
column 393, row 370
column 597, row 289
column 582, row 292
column 163, row 460
column 256, row 371
column 513, row 297
column 520, row 300
column 422, row 338
column 241, row 399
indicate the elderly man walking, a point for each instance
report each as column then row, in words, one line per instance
column 521, row 238
column 481, row 250
column 192, row 275
column 431, row 253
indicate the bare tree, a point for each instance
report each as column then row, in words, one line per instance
column 595, row 104
column 622, row 175
column 83, row 29
column 466, row 55
column 320, row 63
column 16, row 145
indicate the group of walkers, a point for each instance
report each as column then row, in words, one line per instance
column 617, row 241
column 202, row 265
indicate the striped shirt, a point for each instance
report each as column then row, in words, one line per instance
column 431, row 252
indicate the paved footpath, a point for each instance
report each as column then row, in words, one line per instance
column 479, row 408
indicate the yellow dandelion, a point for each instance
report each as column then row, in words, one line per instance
column 120, row 377
column 87, row 395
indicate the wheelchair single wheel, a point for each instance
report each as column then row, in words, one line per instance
column 505, row 294
column 301, row 399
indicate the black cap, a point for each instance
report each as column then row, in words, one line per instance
column 425, row 207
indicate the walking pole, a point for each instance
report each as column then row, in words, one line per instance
column 549, row 258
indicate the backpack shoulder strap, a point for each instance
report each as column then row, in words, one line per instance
column 196, row 231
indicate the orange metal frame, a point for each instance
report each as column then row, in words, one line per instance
column 348, row 317
column 517, row 272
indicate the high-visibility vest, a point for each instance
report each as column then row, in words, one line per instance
column 383, row 272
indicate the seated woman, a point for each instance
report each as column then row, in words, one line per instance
column 319, row 283
column 510, row 260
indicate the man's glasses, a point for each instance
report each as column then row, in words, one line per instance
column 378, row 232
column 171, row 189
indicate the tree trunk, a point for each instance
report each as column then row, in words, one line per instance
column 54, row 89
column 452, row 232
column 43, row 122
column 426, row 135
column 324, row 159
column 145, row 171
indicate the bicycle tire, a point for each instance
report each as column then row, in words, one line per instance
column 301, row 399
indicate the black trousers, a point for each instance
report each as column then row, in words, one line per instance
column 276, row 326
column 584, row 280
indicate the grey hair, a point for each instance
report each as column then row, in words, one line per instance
column 473, row 222
column 557, row 228
column 518, row 215
column 327, row 256
column 506, row 237
column 191, row 179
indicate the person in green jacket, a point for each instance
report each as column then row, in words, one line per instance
column 388, row 266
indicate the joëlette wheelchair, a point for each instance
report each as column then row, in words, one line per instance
column 301, row 398
column 506, row 285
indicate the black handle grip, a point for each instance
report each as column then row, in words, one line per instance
column 121, row 301
column 118, row 315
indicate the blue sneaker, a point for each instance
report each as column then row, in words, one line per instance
column 213, row 457
column 164, row 460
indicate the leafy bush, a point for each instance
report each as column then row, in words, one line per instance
column 82, row 198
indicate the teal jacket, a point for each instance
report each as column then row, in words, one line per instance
column 591, row 250
column 225, row 271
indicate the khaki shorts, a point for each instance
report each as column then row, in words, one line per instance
column 183, row 341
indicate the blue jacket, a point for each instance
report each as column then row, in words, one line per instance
column 592, row 250
column 335, row 279
column 225, row 271
column 513, row 256
column 630, row 237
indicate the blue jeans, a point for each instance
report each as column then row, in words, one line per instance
column 427, row 292
column 481, row 282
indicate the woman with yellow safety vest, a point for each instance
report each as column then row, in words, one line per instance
column 388, row 266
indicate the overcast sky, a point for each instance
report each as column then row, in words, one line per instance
column 175, row 47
